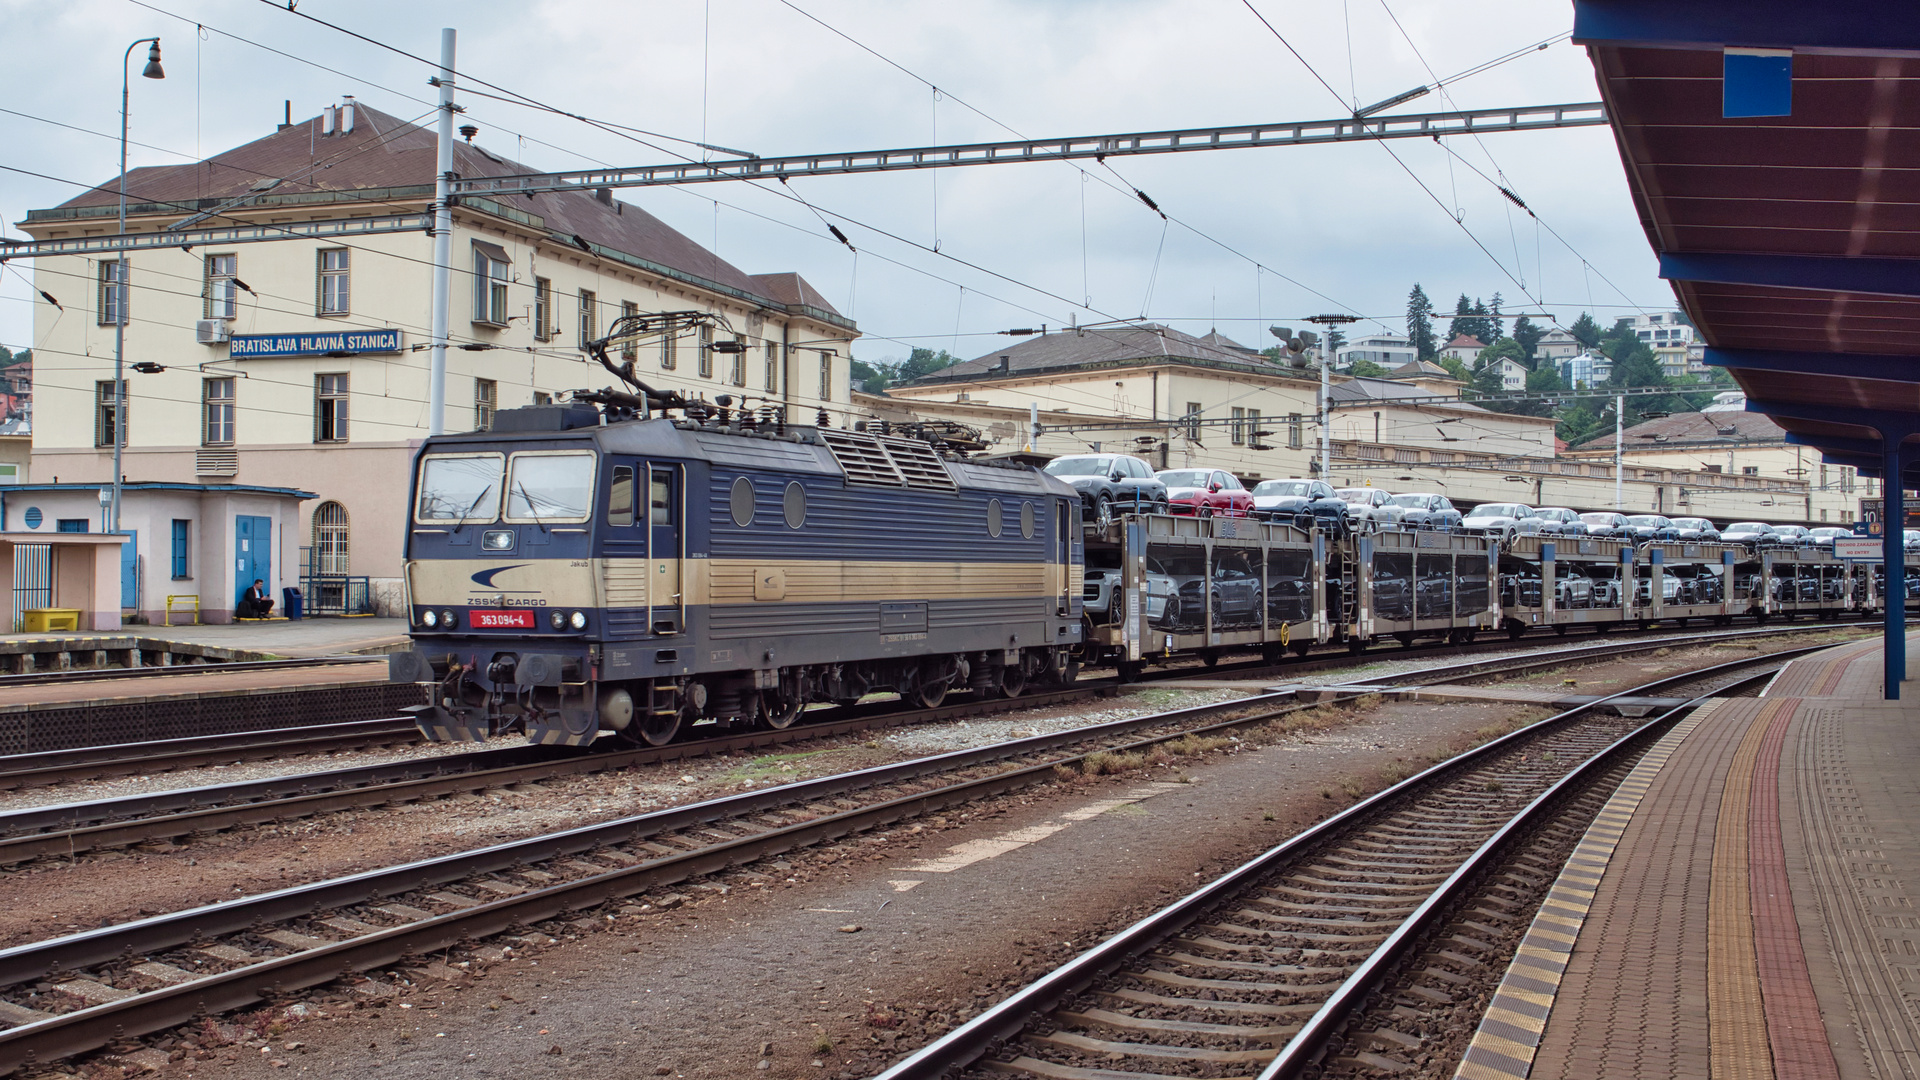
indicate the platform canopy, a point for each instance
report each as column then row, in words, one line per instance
column 1771, row 150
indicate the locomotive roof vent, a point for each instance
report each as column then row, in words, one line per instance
column 546, row 418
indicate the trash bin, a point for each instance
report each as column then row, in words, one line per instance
column 292, row 604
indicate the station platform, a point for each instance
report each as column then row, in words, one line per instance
column 1744, row 905
column 238, row 641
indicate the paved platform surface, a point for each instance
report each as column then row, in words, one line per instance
column 193, row 681
column 288, row 637
column 1744, row 907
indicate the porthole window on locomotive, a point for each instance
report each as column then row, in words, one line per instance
column 1026, row 520
column 993, row 518
column 795, row 504
column 741, row 501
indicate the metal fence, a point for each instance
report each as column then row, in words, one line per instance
column 337, row 594
column 32, row 581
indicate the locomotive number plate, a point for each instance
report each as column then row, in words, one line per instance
column 520, row 619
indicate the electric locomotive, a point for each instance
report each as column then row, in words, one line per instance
column 638, row 562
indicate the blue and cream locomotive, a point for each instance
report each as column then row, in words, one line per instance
column 606, row 564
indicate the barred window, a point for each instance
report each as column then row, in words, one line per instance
column 217, row 404
column 330, row 408
column 222, row 301
column 330, row 538
column 333, row 281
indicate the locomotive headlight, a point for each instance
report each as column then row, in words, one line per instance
column 429, row 619
column 578, row 620
column 558, row 620
column 446, row 619
column 497, row 540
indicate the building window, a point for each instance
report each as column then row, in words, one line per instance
column 490, row 270
column 330, row 538
column 1238, row 427
column 330, row 408
column 706, row 352
column 486, row 398
column 669, row 353
column 629, row 350
column 1846, row 478
column 826, row 376
column 71, row 525
column 543, row 328
column 182, row 528
column 587, row 328
column 1253, row 427
column 113, row 292
column 222, row 299
column 773, row 368
column 104, row 413
column 333, row 281
column 739, row 376
column 541, row 397
column 1193, row 420
column 1296, row 436
column 216, row 404
column 1749, row 470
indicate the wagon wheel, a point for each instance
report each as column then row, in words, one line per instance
column 658, row 729
column 780, row 710
column 1013, row 680
column 929, row 695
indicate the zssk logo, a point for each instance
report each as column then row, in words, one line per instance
column 484, row 578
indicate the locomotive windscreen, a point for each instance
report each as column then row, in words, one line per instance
column 459, row 487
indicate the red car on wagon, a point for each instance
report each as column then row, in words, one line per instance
column 1205, row 493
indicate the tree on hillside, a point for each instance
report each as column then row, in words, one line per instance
column 874, row 378
column 1336, row 340
column 1456, row 368
column 1420, row 323
column 1495, row 324
column 1585, row 331
column 1528, row 334
column 1463, row 322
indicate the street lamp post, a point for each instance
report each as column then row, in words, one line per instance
column 1328, row 324
column 121, row 275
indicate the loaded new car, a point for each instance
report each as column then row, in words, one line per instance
column 1234, row 590
column 1205, row 493
column 1110, row 482
column 1792, row 536
column 1101, row 588
column 1503, row 521
column 1696, row 529
column 1606, row 523
column 1363, row 506
column 1302, row 502
column 1644, row 528
column 1748, row 532
column 1824, row 537
column 1421, row 510
column 1560, row 521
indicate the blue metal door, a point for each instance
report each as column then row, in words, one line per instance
column 252, row 554
column 130, row 568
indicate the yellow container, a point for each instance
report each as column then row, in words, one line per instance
column 48, row 619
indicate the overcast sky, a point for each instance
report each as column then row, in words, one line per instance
column 1067, row 241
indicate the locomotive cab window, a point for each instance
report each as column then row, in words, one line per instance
column 620, row 496
column 456, row 488
column 550, row 485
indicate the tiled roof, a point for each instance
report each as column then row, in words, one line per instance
column 383, row 153
column 1465, row 341
column 1693, row 429
column 1106, row 346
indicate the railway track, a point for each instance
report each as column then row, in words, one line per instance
column 1279, row 968
column 80, row 675
column 81, row 991
column 67, row 829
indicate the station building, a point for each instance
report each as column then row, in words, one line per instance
column 303, row 364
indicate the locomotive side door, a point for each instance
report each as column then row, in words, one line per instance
column 666, row 547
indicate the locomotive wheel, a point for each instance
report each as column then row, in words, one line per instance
column 658, row 729
column 929, row 695
column 1070, row 671
column 780, row 711
column 1013, row 680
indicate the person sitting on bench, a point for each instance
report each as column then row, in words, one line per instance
column 257, row 603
